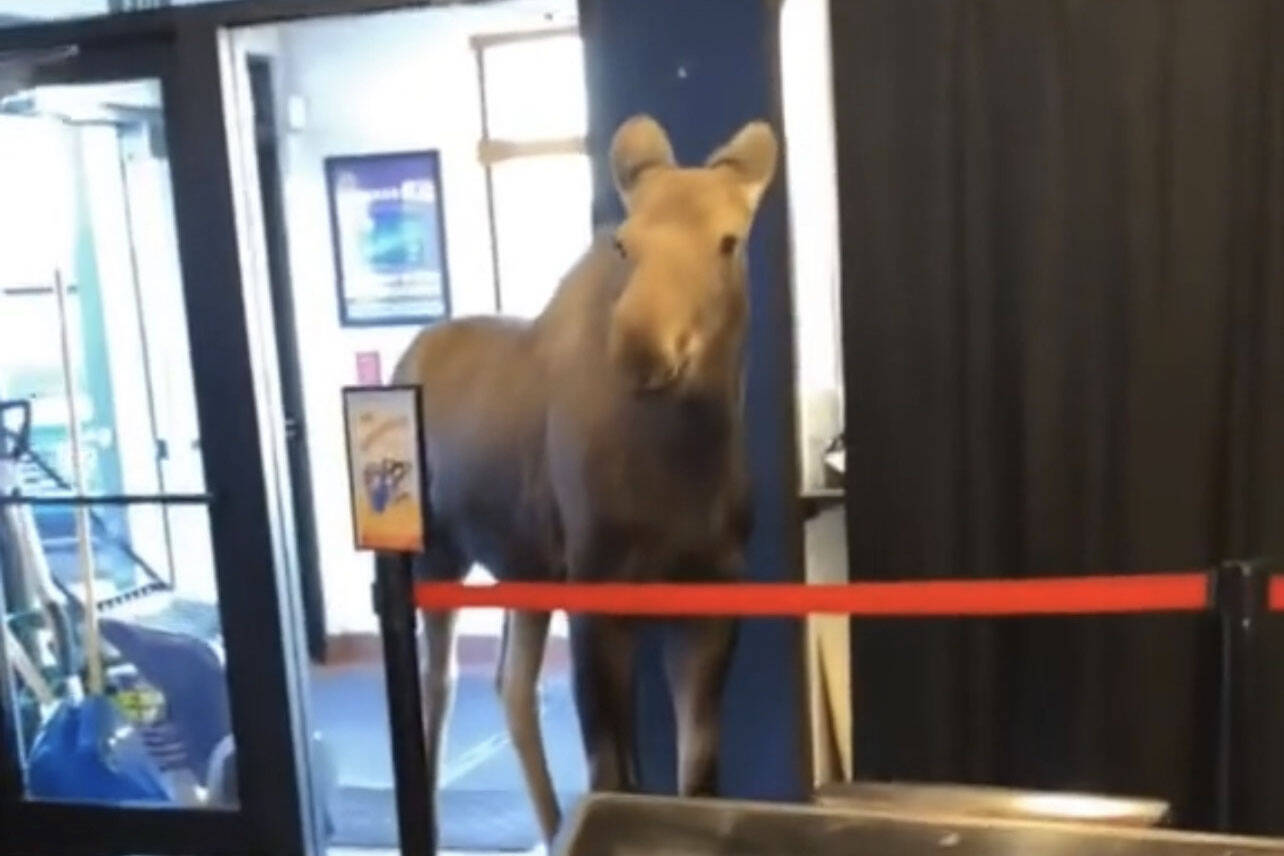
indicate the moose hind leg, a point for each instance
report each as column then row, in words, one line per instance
column 697, row 653
column 602, row 650
column 522, row 654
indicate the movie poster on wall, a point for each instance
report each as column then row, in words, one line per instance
column 389, row 238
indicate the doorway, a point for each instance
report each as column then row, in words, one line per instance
column 480, row 111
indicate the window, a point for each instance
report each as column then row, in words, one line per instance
column 534, row 121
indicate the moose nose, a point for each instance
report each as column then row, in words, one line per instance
column 647, row 368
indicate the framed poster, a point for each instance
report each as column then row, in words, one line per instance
column 389, row 238
column 384, row 434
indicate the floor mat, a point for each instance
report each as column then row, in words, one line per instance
column 468, row 819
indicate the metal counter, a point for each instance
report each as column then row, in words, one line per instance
column 626, row 825
column 993, row 802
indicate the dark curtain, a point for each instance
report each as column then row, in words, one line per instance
column 1063, row 310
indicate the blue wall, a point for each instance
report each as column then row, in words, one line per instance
column 703, row 69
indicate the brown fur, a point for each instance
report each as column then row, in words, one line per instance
column 603, row 441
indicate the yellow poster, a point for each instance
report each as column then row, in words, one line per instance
column 384, row 467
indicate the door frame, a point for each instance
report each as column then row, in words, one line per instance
column 250, row 529
column 260, row 632
column 261, row 76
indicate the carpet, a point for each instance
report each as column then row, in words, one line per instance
column 482, row 803
column 467, row 819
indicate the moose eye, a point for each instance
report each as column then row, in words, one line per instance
column 619, row 248
column 727, row 245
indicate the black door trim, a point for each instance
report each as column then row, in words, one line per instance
column 259, row 639
column 276, row 242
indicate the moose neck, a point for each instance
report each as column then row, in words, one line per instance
column 692, row 433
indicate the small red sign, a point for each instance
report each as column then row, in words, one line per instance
column 369, row 370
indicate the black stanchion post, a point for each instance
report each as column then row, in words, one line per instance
column 416, row 811
column 385, row 434
column 1240, row 594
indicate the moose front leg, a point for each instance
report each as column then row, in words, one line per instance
column 602, row 650
column 697, row 653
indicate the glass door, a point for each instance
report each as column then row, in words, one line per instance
column 125, row 682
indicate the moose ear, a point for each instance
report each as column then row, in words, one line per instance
column 751, row 156
column 640, row 144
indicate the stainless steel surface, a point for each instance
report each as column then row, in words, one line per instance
column 981, row 801
column 620, row 825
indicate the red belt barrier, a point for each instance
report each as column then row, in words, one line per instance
column 1136, row 593
column 1275, row 594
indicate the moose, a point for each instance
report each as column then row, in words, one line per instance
column 603, row 441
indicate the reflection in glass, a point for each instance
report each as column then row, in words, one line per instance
column 87, row 213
